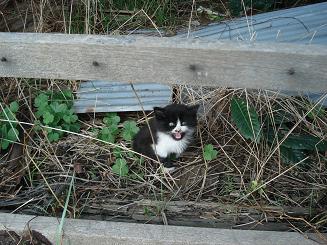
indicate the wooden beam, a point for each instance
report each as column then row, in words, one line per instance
column 164, row 60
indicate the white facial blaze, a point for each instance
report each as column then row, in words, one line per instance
column 178, row 126
column 167, row 145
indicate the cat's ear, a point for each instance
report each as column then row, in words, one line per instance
column 194, row 108
column 160, row 113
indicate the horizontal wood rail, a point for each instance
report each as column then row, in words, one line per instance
column 134, row 59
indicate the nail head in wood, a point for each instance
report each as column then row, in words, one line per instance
column 291, row 71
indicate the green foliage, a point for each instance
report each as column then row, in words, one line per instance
column 54, row 109
column 111, row 118
column 318, row 111
column 292, row 156
column 130, row 130
column 254, row 187
column 8, row 130
column 305, row 142
column 105, row 15
column 246, row 119
column 120, row 167
column 110, row 131
column 209, row 153
column 296, row 146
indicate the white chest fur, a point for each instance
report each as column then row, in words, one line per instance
column 167, row 145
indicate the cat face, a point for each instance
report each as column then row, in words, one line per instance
column 176, row 120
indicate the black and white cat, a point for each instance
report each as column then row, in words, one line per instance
column 172, row 129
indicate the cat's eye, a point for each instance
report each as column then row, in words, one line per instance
column 184, row 123
column 171, row 124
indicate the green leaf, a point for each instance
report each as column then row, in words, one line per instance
column 120, row 167
column 209, row 153
column 305, row 142
column 70, row 118
column 14, row 107
column 130, row 130
column 48, row 118
column 37, row 125
column 4, row 144
column 41, row 100
column 299, row 142
column 13, row 134
column 246, row 119
column 74, row 118
column 113, row 129
column 8, row 137
column 292, row 156
column 53, row 136
column 75, row 127
column 117, row 152
column 8, row 114
column 111, row 119
column 66, row 94
column 4, row 131
column 105, row 134
column 58, row 108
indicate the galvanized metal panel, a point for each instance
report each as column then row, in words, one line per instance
column 302, row 25
column 306, row 25
column 103, row 96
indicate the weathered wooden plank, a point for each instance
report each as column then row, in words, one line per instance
column 85, row 232
column 202, row 214
column 163, row 60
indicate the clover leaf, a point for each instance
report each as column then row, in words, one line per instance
column 130, row 130
column 209, row 152
column 120, row 167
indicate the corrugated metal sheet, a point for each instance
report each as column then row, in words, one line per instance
column 301, row 25
column 305, row 25
column 103, row 96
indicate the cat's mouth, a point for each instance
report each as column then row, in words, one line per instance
column 178, row 135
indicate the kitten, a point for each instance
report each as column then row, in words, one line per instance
column 172, row 129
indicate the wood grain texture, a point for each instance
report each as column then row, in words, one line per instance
column 164, row 60
column 85, row 232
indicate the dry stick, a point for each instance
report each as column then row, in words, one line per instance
column 155, row 26
column 308, row 223
column 128, row 20
column 205, row 171
column 45, row 180
column 238, row 170
column 254, row 136
column 274, row 127
column 28, row 135
column 70, row 17
column 190, row 20
column 9, row 120
column 269, row 181
column 247, row 20
column 32, row 199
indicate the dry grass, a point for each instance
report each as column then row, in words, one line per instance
column 38, row 181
